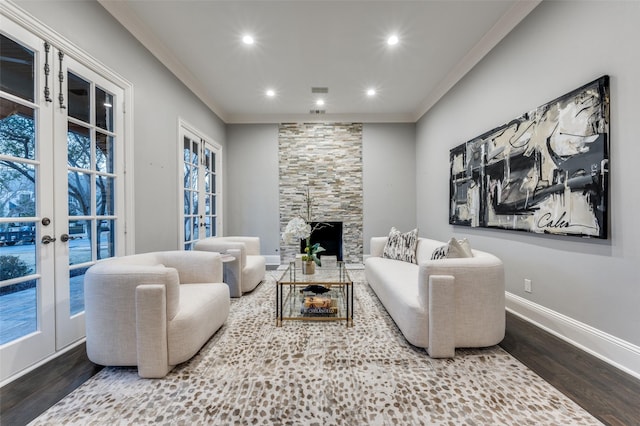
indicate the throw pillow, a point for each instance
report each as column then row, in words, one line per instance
column 459, row 249
column 440, row 253
column 401, row 246
column 454, row 249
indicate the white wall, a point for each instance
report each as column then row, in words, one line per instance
column 252, row 181
column 251, row 204
column 159, row 100
column 591, row 284
column 388, row 175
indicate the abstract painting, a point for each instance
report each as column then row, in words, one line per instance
column 545, row 171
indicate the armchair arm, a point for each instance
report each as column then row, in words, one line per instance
column 151, row 331
column 222, row 245
column 194, row 266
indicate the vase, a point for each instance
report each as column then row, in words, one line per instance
column 308, row 267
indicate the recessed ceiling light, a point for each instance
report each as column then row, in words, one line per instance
column 371, row 92
column 392, row 40
column 320, row 102
column 247, row 39
column 270, row 93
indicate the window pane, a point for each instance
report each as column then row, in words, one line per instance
column 17, row 189
column 194, row 153
column 22, row 235
column 17, row 132
column 104, row 153
column 18, row 310
column 207, row 225
column 194, row 204
column 194, row 177
column 196, row 228
column 79, row 193
column 186, row 149
column 187, row 202
column 207, row 164
column 76, row 290
column 187, row 229
column 106, row 239
column 207, row 184
column 81, row 233
column 104, row 110
column 16, row 69
column 78, row 98
column 78, row 146
column 104, row 196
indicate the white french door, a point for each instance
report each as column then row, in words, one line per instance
column 201, row 183
column 61, row 193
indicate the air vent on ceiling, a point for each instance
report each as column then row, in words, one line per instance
column 317, row 111
column 319, row 90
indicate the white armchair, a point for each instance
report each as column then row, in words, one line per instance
column 153, row 310
column 252, row 265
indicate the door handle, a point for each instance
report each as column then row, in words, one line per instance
column 47, row 239
column 64, row 238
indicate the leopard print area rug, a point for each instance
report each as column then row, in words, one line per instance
column 320, row 373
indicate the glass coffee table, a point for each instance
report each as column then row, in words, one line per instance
column 326, row 295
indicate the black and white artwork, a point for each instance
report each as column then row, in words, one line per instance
column 545, row 171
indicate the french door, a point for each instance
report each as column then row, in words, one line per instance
column 61, row 193
column 200, row 210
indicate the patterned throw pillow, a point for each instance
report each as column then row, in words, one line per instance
column 454, row 249
column 440, row 253
column 401, row 246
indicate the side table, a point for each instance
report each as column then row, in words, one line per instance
column 231, row 271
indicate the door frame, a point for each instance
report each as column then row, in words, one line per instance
column 183, row 128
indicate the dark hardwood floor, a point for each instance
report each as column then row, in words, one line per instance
column 609, row 394
column 29, row 396
column 606, row 392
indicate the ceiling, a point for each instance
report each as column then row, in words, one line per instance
column 339, row 45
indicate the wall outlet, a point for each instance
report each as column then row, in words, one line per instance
column 527, row 285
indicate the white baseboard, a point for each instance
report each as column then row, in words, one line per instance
column 617, row 352
column 272, row 260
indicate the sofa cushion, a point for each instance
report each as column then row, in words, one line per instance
column 401, row 246
column 395, row 284
column 203, row 310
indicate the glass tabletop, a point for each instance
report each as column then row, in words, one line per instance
column 331, row 274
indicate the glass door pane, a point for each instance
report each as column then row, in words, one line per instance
column 89, row 219
column 27, row 332
column 191, row 155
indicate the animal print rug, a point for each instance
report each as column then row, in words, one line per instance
column 321, row 373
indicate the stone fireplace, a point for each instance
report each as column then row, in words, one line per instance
column 324, row 159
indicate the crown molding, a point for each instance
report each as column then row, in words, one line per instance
column 504, row 26
column 130, row 21
column 319, row 118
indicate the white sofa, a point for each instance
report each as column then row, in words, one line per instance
column 441, row 304
column 153, row 310
column 253, row 266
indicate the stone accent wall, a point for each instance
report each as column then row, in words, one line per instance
column 326, row 158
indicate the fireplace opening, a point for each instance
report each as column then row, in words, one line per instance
column 329, row 235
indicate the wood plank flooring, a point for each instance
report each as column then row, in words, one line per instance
column 606, row 392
